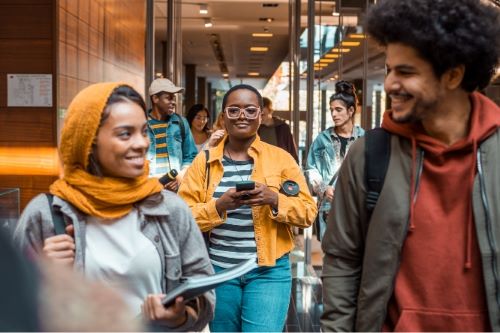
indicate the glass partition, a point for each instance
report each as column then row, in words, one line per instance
column 9, row 208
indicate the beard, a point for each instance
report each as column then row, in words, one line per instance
column 418, row 112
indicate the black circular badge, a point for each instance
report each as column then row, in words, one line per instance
column 290, row 188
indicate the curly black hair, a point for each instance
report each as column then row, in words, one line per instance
column 446, row 33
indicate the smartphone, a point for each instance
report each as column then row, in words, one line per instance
column 245, row 185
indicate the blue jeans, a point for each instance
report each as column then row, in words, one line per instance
column 255, row 302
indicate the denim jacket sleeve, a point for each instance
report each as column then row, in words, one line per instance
column 313, row 169
column 189, row 150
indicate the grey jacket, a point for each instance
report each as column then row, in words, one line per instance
column 362, row 259
column 165, row 219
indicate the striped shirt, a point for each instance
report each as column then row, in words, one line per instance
column 233, row 241
column 160, row 133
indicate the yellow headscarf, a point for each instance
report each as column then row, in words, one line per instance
column 104, row 197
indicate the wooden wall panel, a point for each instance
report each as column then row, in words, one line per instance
column 79, row 42
column 28, row 46
column 103, row 41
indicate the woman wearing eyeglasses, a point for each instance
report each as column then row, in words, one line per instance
column 198, row 118
column 250, row 223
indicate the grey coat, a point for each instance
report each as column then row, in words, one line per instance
column 165, row 219
column 362, row 257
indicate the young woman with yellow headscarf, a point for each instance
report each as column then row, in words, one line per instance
column 122, row 228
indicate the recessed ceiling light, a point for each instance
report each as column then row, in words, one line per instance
column 326, row 60
column 361, row 36
column 253, row 74
column 203, row 9
column 259, row 48
column 262, row 34
column 266, row 19
column 331, row 56
column 346, row 43
column 342, row 50
column 208, row 23
column 225, row 75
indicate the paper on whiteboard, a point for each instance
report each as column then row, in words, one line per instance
column 29, row 90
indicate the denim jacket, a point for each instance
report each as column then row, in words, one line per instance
column 180, row 152
column 166, row 221
column 324, row 160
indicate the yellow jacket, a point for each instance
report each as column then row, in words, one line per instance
column 272, row 166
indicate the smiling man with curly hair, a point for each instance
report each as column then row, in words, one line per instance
column 427, row 258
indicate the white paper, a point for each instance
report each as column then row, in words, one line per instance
column 29, row 90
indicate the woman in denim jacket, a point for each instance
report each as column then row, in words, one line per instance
column 330, row 148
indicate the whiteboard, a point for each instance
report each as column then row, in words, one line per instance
column 29, row 90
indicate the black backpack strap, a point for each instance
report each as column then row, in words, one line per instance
column 182, row 127
column 377, row 154
column 57, row 219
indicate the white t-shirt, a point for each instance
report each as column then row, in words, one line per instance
column 119, row 255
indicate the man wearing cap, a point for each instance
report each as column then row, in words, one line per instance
column 172, row 144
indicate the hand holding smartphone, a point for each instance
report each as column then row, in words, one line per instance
column 245, row 185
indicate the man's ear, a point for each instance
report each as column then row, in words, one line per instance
column 155, row 99
column 350, row 110
column 453, row 77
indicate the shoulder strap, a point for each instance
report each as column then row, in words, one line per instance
column 57, row 219
column 207, row 167
column 182, row 127
column 377, row 154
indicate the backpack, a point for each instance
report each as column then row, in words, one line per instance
column 182, row 127
column 377, row 155
column 57, row 219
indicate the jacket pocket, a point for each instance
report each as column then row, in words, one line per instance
column 173, row 270
column 273, row 182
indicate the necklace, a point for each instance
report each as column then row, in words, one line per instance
column 232, row 162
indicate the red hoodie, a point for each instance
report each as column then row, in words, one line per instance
column 439, row 285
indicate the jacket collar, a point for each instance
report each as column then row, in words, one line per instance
column 217, row 152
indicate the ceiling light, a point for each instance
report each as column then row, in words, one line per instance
column 326, row 60
column 259, row 48
column 331, row 56
column 203, row 9
column 361, row 36
column 342, row 50
column 208, row 23
column 225, row 75
column 253, row 74
column 262, row 34
column 334, row 13
column 350, row 43
column 321, row 64
column 266, row 19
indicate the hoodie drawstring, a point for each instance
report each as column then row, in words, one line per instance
column 468, row 250
column 412, row 180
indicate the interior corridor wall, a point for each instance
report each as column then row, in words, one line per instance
column 78, row 42
column 100, row 40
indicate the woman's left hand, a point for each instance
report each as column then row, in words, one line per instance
column 261, row 195
column 173, row 316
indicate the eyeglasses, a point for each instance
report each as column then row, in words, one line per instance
column 234, row 112
column 201, row 118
